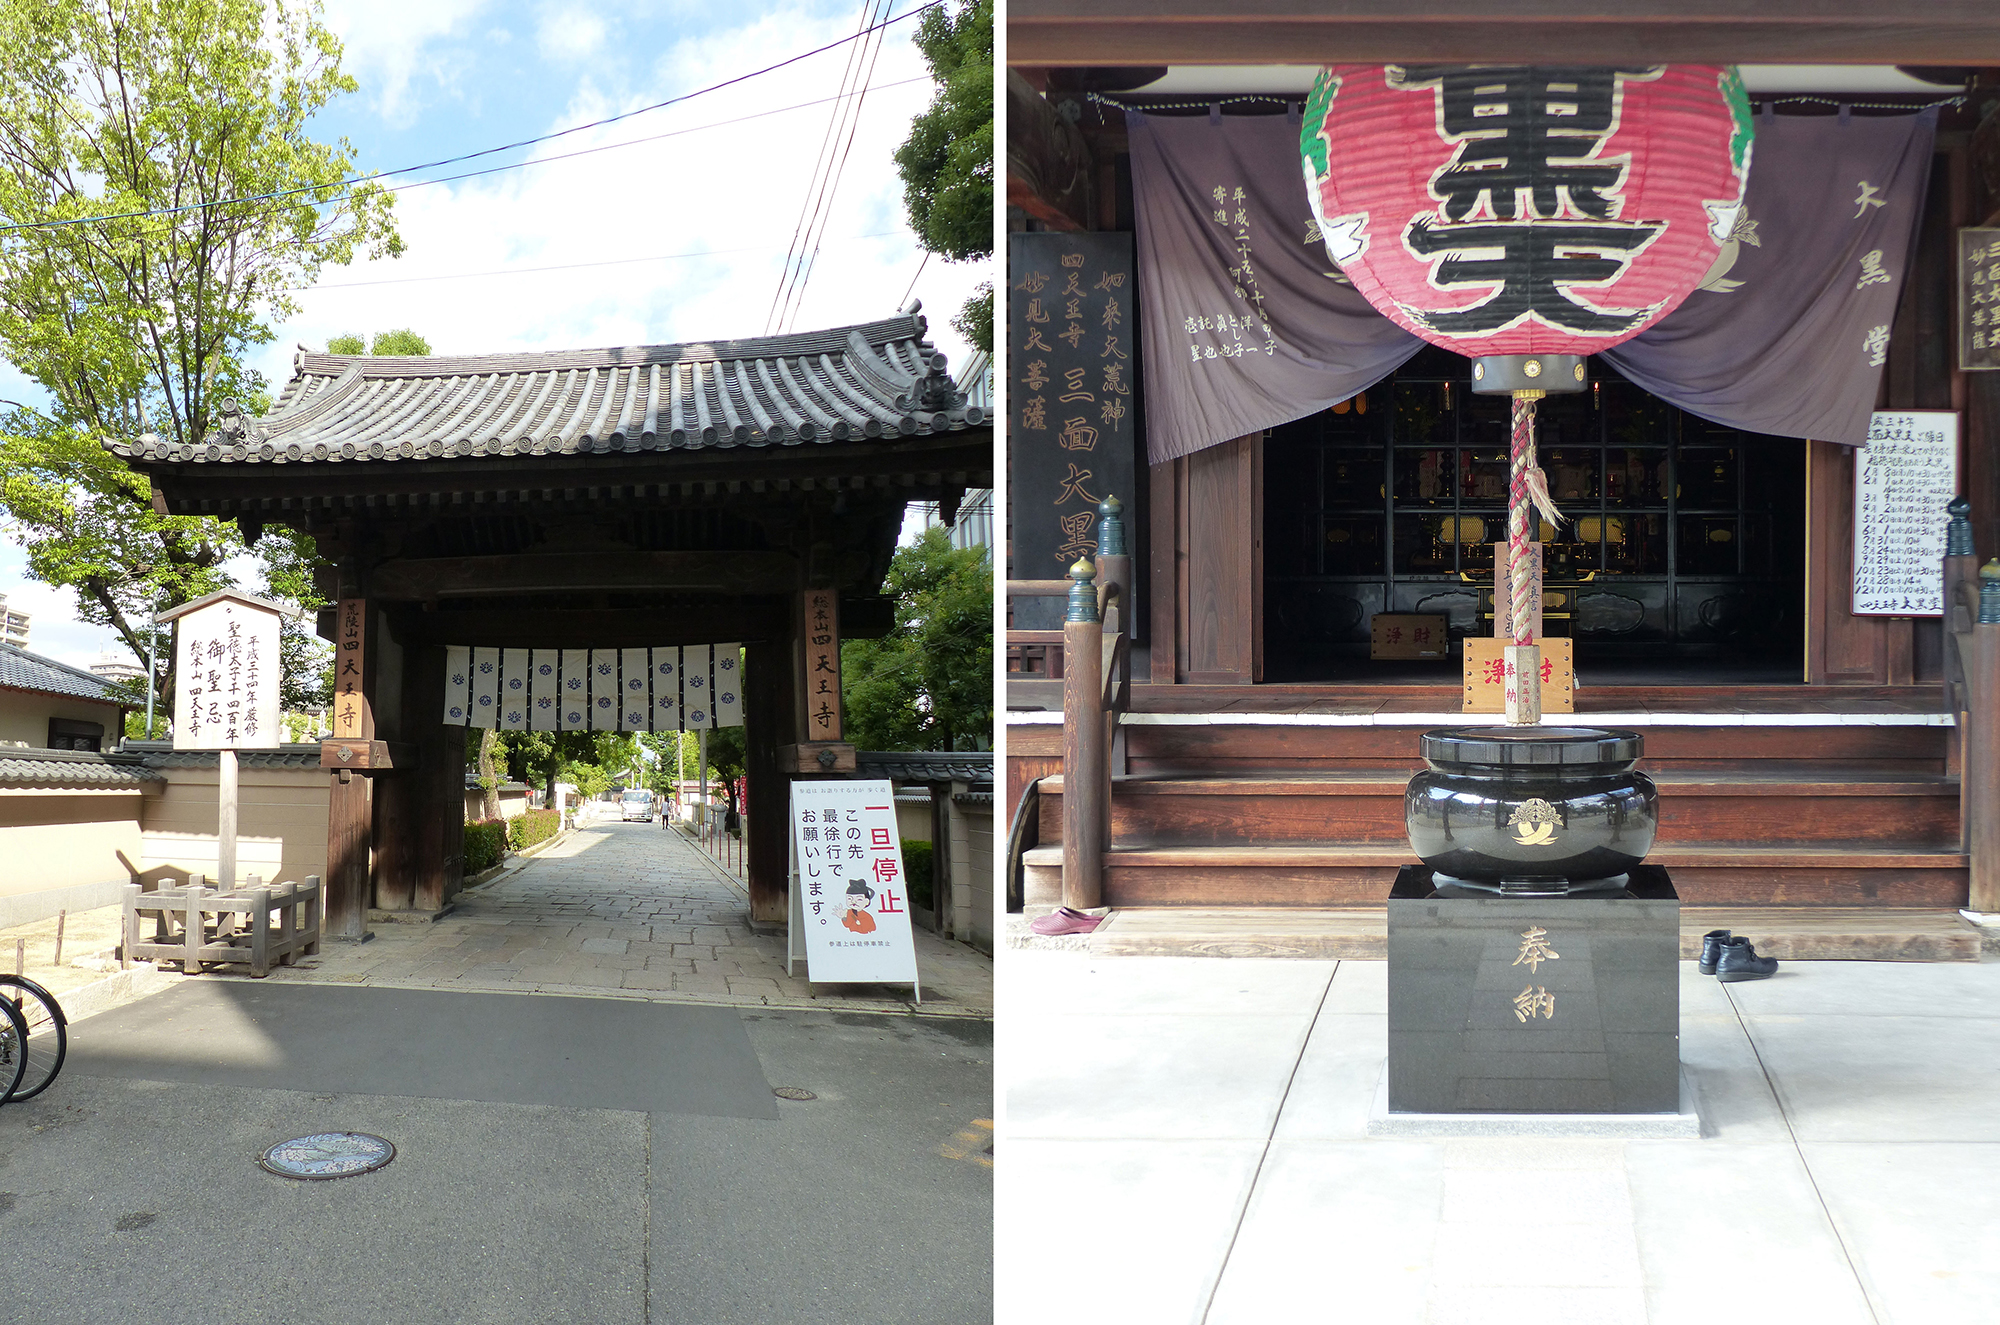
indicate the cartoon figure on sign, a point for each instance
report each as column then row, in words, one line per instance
column 856, row 917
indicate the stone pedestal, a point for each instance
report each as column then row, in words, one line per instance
column 1534, row 1005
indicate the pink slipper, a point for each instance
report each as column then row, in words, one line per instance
column 1065, row 921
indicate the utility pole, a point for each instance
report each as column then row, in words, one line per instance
column 152, row 663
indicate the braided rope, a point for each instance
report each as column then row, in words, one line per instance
column 1520, row 547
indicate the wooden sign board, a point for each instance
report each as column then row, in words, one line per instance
column 1979, row 298
column 350, row 637
column 1072, row 426
column 1486, row 675
column 226, row 674
column 852, row 898
column 819, row 626
column 1902, row 480
column 1407, row 635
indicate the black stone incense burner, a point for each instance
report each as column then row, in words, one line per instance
column 1531, row 811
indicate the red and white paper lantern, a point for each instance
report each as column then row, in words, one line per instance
column 1509, row 209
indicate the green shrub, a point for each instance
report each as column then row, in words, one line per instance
column 535, row 826
column 917, row 867
column 485, row 844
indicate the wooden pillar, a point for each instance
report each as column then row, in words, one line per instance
column 440, row 773
column 349, row 817
column 768, row 704
column 398, row 818
column 1981, row 774
column 1086, row 784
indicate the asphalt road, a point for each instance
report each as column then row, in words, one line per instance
column 674, row 1189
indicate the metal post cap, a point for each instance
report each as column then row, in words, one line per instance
column 1083, row 593
column 1989, row 593
column 1111, row 528
column 1958, row 529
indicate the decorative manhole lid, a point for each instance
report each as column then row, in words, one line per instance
column 793, row 1093
column 327, row 1155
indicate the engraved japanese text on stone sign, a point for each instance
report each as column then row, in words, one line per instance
column 1071, row 398
column 1902, row 480
column 1979, row 298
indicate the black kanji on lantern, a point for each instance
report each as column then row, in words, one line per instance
column 1525, row 137
column 1533, row 262
column 1524, row 129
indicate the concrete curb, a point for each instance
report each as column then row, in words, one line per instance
column 116, row 990
column 877, row 1007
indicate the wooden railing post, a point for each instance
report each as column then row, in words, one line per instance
column 1085, row 814
column 1961, row 581
column 1981, row 775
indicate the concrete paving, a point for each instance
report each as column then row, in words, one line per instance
column 1186, row 1141
column 130, row 1189
column 627, row 910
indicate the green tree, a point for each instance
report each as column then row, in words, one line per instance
column 196, row 112
column 928, row 683
column 546, row 758
column 400, row 341
column 947, row 161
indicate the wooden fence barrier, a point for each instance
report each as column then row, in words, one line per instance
column 196, row 925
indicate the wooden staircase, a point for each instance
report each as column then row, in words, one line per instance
column 1825, row 822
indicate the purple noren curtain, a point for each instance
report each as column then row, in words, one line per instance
column 1248, row 326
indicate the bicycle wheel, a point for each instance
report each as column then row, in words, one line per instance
column 47, row 1033
column 13, row 1048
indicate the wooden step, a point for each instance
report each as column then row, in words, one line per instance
column 1787, row 933
column 1900, row 811
column 1225, row 748
column 1707, row 874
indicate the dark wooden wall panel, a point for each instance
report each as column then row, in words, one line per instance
column 1223, row 537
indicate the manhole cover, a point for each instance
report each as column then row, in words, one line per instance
column 793, row 1093
column 327, row 1155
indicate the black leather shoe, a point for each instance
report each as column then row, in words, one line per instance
column 1711, row 948
column 1739, row 961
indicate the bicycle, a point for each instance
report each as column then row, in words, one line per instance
column 13, row 1048
column 39, row 1038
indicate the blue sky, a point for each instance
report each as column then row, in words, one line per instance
column 444, row 77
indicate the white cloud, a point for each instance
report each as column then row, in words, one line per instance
column 716, row 192
column 572, row 32
column 388, row 43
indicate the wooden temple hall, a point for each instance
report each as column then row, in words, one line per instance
column 642, row 503
column 1300, row 558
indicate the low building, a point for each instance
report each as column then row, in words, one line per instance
column 48, row 705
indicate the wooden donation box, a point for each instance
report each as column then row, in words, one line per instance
column 1407, row 635
column 1486, row 675
column 1534, row 1004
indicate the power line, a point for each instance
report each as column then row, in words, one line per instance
column 815, row 210
column 607, row 147
column 349, row 183
column 847, row 147
column 574, row 266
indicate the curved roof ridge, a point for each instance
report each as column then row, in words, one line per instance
column 792, row 345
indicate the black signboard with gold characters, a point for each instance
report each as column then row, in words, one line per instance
column 1072, row 414
column 1979, row 298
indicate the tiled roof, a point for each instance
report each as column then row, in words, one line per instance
column 74, row 770
column 158, row 754
column 974, row 766
column 28, row 671
column 875, row 380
